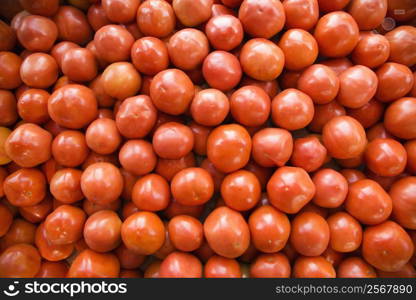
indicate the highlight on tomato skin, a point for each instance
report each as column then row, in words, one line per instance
column 208, row 138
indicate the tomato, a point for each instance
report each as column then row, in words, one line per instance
column 128, row 259
column 6, row 218
column 180, row 265
column 332, row 5
column 102, row 231
column 368, row 114
column 402, row 195
column 97, row 16
column 71, row 17
column 120, row 11
column 262, row 18
column 137, row 157
column 272, row 147
column 324, row 113
column 292, row 109
column 69, row 148
column 8, row 111
column 398, row 118
column 192, row 12
column 49, row 251
column 368, row 14
column 172, row 91
column 344, row 137
column 250, row 106
column 378, row 131
column 94, row 265
column 355, row 267
column 270, row 266
column 130, row 274
column 386, row 157
column 261, row 59
column 192, row 186
column 301, row 14
column 175, row 209
column 320, row 83
column 151, row 193
column 331, row 188
column 313, row 267
column 168, row 247
column 224, row 32
column 185, row 233
column 387, row 246
column 64, row 225
column 289, row 189
column 21, row 260
column 411, row 156
column 229, row 147
column 300, row 49
column 143, row 233
column 241, row 190
column 209, row 107
column 372, row 50
column 221, row 267
column 345, row 232
column 113, row 43
column 173, row 140
column 152, row 271
column 9, row 41
column 269, row 229
column 20, row 231
column 222, row 70
column 368, row 202
column 408, row 271
column 358, row 85
column 10, row 70
column 65, row 186
column 45, row 8
column 102, row 183
column 271, row 87
column 28, row 145
column 102, row 136
column 136, row 117
column 156, row 18
column 50, row 269
column 188, row 48
column 204, row 252
column 308, row 153
column 66, row 103
column 39, row 70
column 32, row 106
column 311, row 207
column 227, row 232
column 333, row 256
column 37, row 33
column 337, row 34
column 402, row 41
column 25, row 187
column 150, row 55
column 395, row 81
column 310, row 234
column 79, row 64
column 201, row 134
column 4, row 159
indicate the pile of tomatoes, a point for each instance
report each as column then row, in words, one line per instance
column 208, row 138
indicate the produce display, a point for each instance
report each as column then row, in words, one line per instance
column 208, row 138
